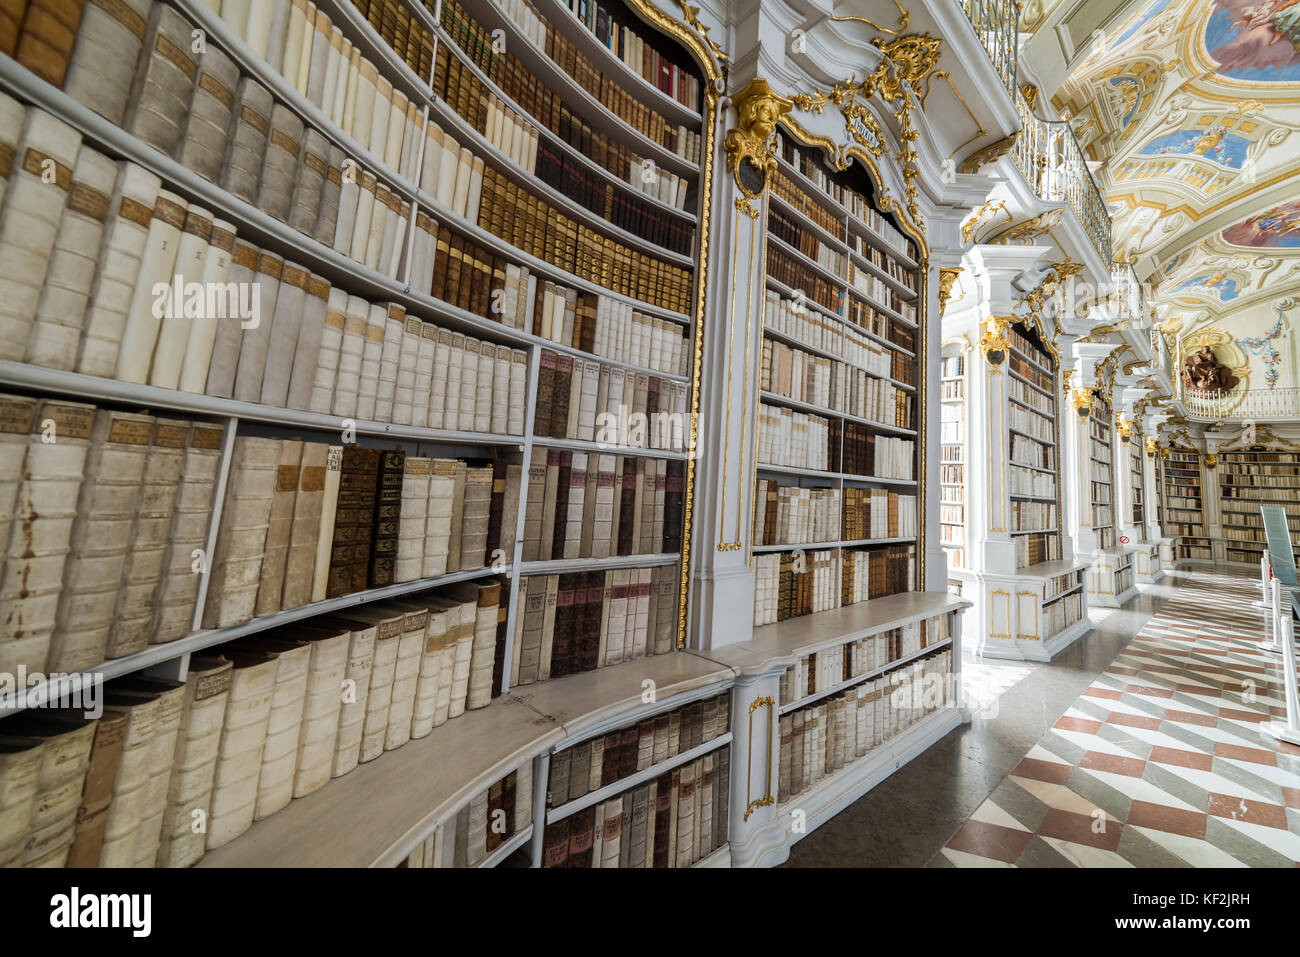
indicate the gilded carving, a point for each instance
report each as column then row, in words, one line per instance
column 947, row 276
column 1124, row 429
column 749, row 146
column 1152, row 447
column 1083, row 401
column 989, row 154
column 994, row 341
column 904, row 19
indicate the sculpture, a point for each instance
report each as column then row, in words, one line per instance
column 1203, row 372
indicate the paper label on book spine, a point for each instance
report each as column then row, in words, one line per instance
column 209, row 686
column 70, row 421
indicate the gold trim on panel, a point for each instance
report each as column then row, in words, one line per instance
column 1036, row 599
column 768, row 797
column 1006, row 598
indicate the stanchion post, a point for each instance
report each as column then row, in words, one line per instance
column 1289, row 729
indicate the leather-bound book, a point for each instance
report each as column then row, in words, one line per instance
column 414, row 519
column 228, row 343
column 353, row 521
column 280, row 166
column 406, row 672
column 324, row 535
column 143, row 570
column 56, row 327
column 243, row 739
column 97, row 791
column 533, row 605
column 164, row 81
column 241, row 539
column 482, row 656
column 372, row 350
column 201, row 340
column 279, row 527
column 189, row 788
column 284, row 723
column 322, row 705
column 389, row 356
column 104, row 57
column 475, row 517
column 45, row 508
column 582, row 833
column 282, row 344
column 313, row 168
column 101, row 538
column 327, row 212
column 424, row 712
column 347, row 380
column 379, row 701
column 203, row 140
column 246, row 140
column 555, row 843
column 255, row 345
column 408, row 360
column 131, row 782
column 65, row 761
column 460, row 470
column 29, row 222
column 438, row 517
column 11, row 20
column 307, row 353
column 356, row 684
column 12, row 115
column 331, row 343
column 47, row 35
column 162, row 752
column 300, row 562
column 17, row 416
column 534, row 505
column 134, row 355
column 387, row 518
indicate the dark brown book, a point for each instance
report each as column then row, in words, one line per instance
column 97, row 792
column 555, row 844
column 48, row 32
column 387, row 517
column 559, row 425
column 545, row 391
column 562, row 486
column 563, row 628
column 628, row 519
column 353, row 521
column 664, row 788
column 582, row 834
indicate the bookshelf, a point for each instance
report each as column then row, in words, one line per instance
column 952, row 456
column 1034, row 470
column 1100, row 428
column 1248, row 480
column 836, row 517
column 1183, row 518
column 1138, row 486
column 536, row 209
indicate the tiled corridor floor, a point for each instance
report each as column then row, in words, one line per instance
column 1139, row 746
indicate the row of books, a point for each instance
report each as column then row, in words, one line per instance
column 820, row 739
column 1105, row 533
column 1291, row 459
column 954, row 389
column 809, row 246
column 788, row 585
column 1032, row 515
column 860, row 208
column 1244, row 477
column 1123, row 580
column 1179, row 502
column 588, row 400
column 952, row 475
column 809, row 285
column 462, row 91
column 575, row 622
column 790, row 515
column 1024, row 481
column 1200, row 553
column 612, row 26
column 1060, row 615
column 603, row 87
column 1026, row 451
column 952, row 366
column 864, row 453
column 825, row 669
column 952, row 515
column 793, row 319
column 102, row 514
column 1061, row 583
column 595, row 505
column 1100, row 491
column 803, row 440
column 1031, row 398
column 1241, row 534
column 1100, row 451
column 252, row 727
column 1255, row 520
column 878, row 291
column 608, row 327
column 600, row 762
column 833, row 385
column 1035, row 376
column 1031, row 423
column 883, row 261
column 675, row 820
column 1027, row 345
column 491, row 818
column 1037, row 547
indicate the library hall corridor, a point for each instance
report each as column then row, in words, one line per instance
column 1139, row 747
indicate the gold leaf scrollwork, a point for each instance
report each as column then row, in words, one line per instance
column 1152, row 447
column 1211, row 460
column 1083, row 399
column 692, row 17
column 988, row 154
column 1124, row 429
column 904, row 18
column 749, row 145
column 994, row 341
column 947, row 276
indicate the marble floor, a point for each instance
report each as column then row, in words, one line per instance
column 1137, row 746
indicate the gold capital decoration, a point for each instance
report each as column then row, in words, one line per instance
column 1164, row 454
column 990, row 153
column 1124, row 429
column 1151, row 448
column 749, row 145
column 994, row 341
column 1211, row 460
column 1083, row 399
column 947, row 276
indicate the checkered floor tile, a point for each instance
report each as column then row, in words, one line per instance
column 1160, row 762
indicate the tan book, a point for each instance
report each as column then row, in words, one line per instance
column 65, row 760
column 279, row 527
column 45, row 508
column 105, row 55
column 164, row 79
column 483, row 650
column 424, row 715
column 20, row 765
column 189, row 789
column 414, row 521
column 476, row 508
column 320, row 717
column 406, row 673
column 300, row 564
column 243, row 736
column 241, row 540
column 284, row 722
column 356, row 693
column 454, row 541
column 101, row 539
column 383, row 670
column 437, row 532
column 325, row 531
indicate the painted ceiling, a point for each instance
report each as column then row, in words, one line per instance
column 1189, row 111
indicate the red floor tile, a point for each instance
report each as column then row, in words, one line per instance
column 1163, row 818
column 1069, row 723
column 1038, row 770
column 1113, row 763
column 1110, row 693
column 1239, row 753
column 1242, row 715
column 1192, row 717
column 990, row 840
column 1150, row 722
column 1180, row 758
column 1252, row 812
column 1079, row 829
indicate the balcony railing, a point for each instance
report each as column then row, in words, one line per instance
column 1245, row 404
column 1050, row 159
column 997, row 23
column 1127, row 299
